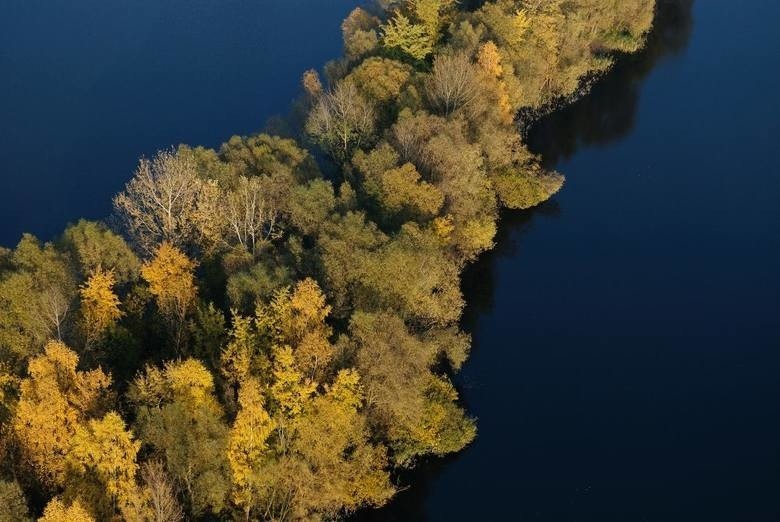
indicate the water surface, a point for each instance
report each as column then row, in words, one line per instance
column 88, row 86
column 626, row 345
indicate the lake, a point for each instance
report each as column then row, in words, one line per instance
column 626, row 344
column 88, row 86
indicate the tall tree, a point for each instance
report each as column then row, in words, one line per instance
column 178, row 414
column 171, row 279
column 157, row 204
column 55, row 399
column 99, row 305
column 248, row 448
column 102, row 465
column 36, row 297
column 342, row 120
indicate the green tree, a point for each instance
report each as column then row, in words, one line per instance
column 94, row 247
column 13, row 505
column 177, row 413
column 36, row 298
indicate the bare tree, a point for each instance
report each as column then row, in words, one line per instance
column 54, row 305
column 158, row 204
column 161, row 496
column 251, row 214
column 453, row 82
column 342, row 120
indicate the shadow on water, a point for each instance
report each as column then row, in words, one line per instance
column 608, row 112
column 603, row 116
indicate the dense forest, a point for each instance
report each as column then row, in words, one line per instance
column 264, row 332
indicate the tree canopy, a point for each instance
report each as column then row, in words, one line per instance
column 251, row 338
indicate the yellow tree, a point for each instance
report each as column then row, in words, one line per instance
column 432, row 14
column 410, row 38
column 237, row 355
column 297, row 319
column 489, row 61
column 102, row 464
column 291, row 390
column 171, row 279
column 54, row 400
column 99, row 305
column 57, row 511
column 248, row 446
column 332, row 439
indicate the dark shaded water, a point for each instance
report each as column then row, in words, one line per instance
column 626, row 349
column 626, row 345
column 88, row 86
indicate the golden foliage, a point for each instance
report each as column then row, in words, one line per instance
column 248, row 447
column 290, row 390
column 171, row 279
column 54, row 400
column 102, row 456
column 57, row 511
column 99, row 304
column 296, row 319
column 489, row 59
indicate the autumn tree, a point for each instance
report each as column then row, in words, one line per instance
column 101, row 465
column 157, row 204
column 408, row 37
column 332, row 439
column 248, row 448
column 341, row 120
column 55, row 399
column 99, row 305
column 171, row 279
column 179, row 416
column 58, row 511
column 433, row 15
column 296, row 318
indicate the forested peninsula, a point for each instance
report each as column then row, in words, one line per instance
column 267, row 331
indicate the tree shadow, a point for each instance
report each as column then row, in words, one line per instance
column 609, row 111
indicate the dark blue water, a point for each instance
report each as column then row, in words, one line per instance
column 87, row 86
column 626, row 345
column 626, row 362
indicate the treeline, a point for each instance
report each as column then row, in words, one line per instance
column 264, row 342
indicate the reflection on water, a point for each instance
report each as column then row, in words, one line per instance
column 603, row 116
column 608, row 112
